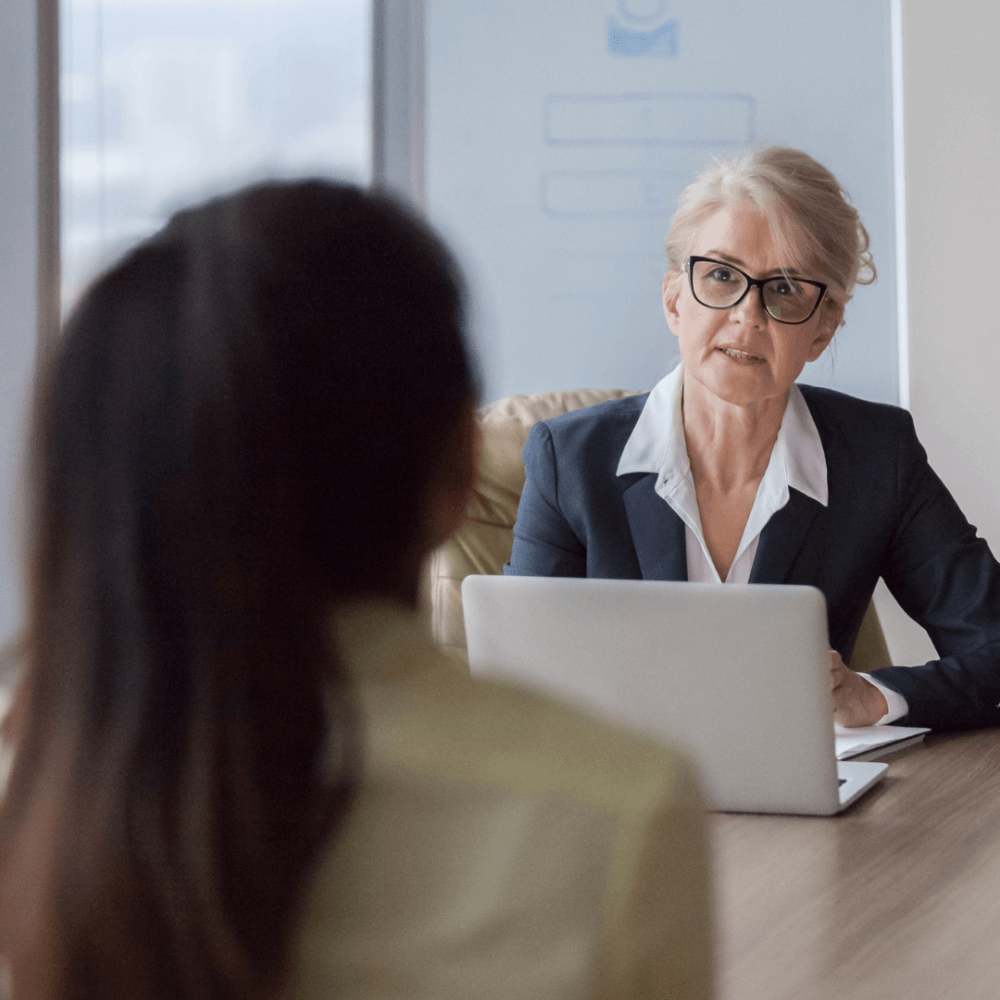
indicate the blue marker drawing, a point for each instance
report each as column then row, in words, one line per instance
column 666, row 119
column 660, row 42
column 594, row 194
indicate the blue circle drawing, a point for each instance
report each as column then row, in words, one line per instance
column 642, row 11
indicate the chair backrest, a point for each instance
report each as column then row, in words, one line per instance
column 483, row 542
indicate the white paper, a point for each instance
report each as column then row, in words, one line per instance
column 849, row 742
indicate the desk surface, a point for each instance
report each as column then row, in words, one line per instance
column 898, row 897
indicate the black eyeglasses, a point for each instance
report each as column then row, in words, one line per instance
column 718, row 285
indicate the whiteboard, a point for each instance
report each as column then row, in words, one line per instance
column 559, row 136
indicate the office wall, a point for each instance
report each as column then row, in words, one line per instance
column 952, row 136
column 17, row 275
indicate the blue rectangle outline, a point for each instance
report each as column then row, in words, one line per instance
column 616, row 213
column 749, row 99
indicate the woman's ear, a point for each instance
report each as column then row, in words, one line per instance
column 830, row 316
column 444, row 504
column 451, row 485
column 672, row 283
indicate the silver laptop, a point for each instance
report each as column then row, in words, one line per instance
column 739, row 675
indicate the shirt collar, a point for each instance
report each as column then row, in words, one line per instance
column 657, row 444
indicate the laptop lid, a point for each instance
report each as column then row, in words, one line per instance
column 738, row 675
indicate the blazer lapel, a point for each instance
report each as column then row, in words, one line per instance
column 657, row 532
column 782, row 538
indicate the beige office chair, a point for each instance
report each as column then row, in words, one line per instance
column 483, row 543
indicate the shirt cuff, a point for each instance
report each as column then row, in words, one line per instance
column 896, row 702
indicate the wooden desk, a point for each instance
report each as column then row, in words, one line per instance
column 898, row 897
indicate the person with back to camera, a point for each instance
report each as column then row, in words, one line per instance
column 241, row 767
column 728, row 471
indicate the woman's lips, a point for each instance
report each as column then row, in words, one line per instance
column 741, row 357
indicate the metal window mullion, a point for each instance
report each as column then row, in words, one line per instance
column 398, row 97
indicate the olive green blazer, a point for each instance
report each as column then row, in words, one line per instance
column 502, row 845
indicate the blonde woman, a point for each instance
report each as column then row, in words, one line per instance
column 728, row 471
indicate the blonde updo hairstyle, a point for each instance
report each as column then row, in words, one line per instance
column 813, row 225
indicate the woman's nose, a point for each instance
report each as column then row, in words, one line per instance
column 750, row 309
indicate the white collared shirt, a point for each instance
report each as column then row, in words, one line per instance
column 657, row 444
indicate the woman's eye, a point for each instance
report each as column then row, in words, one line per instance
column 787, row 288
column 722, row 275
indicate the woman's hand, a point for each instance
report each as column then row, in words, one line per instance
column 855, row 701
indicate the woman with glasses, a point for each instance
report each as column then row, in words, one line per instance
column 727, row 471
column 241, row 767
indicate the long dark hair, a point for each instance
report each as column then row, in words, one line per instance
column 236, row 431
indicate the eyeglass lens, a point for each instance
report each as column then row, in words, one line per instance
column 718, row 286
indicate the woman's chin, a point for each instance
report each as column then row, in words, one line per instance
column 738, row 382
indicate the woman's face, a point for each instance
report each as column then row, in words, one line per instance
column 742, row 355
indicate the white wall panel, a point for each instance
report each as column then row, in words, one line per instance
column 952, row 139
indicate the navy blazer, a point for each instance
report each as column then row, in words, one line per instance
column 888, row 515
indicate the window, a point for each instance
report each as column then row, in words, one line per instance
column 168, row 101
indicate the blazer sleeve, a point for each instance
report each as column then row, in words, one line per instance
column 544, row 542
column 658, row 926
column 945, row 577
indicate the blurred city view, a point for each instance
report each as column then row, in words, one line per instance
column 168, row 101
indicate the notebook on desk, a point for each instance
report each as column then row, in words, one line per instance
column 739, row 675
column 875, row 742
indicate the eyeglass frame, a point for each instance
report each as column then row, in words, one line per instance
column 759, row 283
